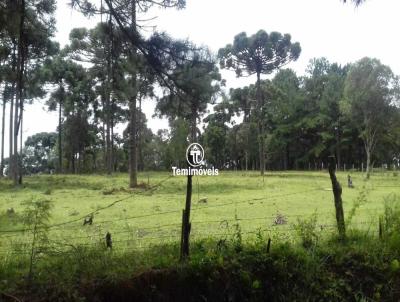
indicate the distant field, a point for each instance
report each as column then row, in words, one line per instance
column 153, row 215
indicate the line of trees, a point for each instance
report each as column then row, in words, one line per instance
column 100, row 79
column 349, row 111
column 333, row 109
column 121, row 69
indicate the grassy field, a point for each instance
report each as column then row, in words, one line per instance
column 152, row 214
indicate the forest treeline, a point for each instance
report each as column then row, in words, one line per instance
column 99, row 81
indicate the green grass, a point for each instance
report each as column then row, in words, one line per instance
column 145, row 225
column 254, row 200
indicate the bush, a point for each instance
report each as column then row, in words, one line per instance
column 36, row 217
column 307, row 230
column 361, row 199
column 391, row 216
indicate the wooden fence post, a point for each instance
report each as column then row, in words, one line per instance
column 268, row 245
column 337, row 194
column 186, row 220
column 183, row 221
column 108, row 241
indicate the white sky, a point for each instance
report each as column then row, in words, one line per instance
column 326, row 28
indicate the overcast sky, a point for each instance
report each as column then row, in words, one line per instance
column 326, row 28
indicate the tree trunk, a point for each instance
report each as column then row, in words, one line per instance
column 3, row 124
column 103, row 135
column 73, row 164
column 193, row 128
column 132, row 144
column 367, row 170
column 15, row 160
column 94, row 167
column 338, row 142
column 108, row 108
column 20, row 143
column 21, row 123
column 17, row 175
column 11, row 134
column 11, row 126
column 112, row 139
column 112, row 99
column 108, row 137
column 103, row 165
column 186, row 226
column 286, row 158
column 132, row 117
column 60, row 165
column 369, row 145
column 139, row 137
column 260, row 125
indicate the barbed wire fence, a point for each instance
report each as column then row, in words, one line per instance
column 143, row 237
column 148, row 240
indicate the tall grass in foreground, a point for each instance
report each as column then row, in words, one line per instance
column 362, row 267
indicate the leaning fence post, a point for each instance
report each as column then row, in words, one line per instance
column 337, row 194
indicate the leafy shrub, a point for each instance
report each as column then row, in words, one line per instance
column 237, row 235
column 306, row 229
column 359, row 201
column 48, row 191
column 36, row 217
column 391, row 215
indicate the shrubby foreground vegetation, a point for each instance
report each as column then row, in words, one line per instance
column 229, row 259
column 360, row 269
